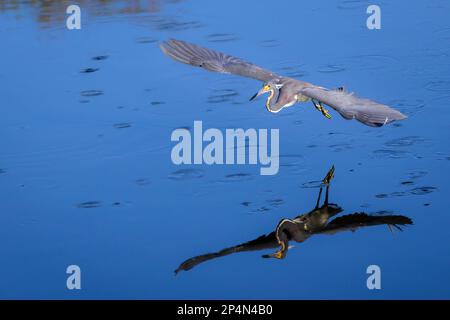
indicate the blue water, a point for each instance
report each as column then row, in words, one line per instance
column 86, row 176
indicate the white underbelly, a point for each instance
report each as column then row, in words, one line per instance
column 297, row 98
column 290, row 104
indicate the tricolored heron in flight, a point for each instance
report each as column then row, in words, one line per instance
column 284, row 91
column 303, row 227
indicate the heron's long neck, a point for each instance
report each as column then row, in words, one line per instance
column 272, row 99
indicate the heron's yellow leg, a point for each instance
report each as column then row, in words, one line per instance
column 319, row 106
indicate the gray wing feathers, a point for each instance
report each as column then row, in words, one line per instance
column 350, row 106
column 213, row 60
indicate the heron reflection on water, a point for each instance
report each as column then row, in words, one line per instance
column 303, row 227
column 284, row 91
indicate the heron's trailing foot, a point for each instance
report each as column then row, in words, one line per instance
column 319, row 106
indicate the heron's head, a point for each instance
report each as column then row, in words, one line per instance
column 271, row 86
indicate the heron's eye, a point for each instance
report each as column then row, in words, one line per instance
column 266, row 87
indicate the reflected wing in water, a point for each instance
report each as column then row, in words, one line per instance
column 352, row 222
column 263, row 242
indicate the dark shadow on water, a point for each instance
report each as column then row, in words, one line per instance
column 302, row 227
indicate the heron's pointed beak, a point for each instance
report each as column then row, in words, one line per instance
column 256, row 95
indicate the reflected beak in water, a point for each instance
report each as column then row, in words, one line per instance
column 263, row 90
column 280, row 254
column 276, row 255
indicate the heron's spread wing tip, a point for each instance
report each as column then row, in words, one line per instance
column 212, row 60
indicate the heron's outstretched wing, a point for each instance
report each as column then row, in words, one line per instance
column 351, row 222
column 213, row 61
column 263, row 242
column 350, row 106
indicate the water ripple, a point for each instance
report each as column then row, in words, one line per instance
column 146, row 40
column 330, row 68
column 221, row 37
column 89, row 204
column 270, row 43
column 294, row 71
column 393, row 154
column 275, row 202
column 339, row 147
column 372, row 61
column 290, row 160
column 313, row 184
column 91, row 93
column 142, row 182
column 170, row 24
column 89, row 70
column 414, row 175
column 422, row 190
column 415, row 191
column 186, row 174
column 404, row 141
column 438, row 86
column 408, row 106
column 223, row 95
column 100, row 58
column 237, row 177
column 443, row 33
column 122, row 125
column 352, row 4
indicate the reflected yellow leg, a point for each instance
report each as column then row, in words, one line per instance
column 329, row 176
column 326, row 181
